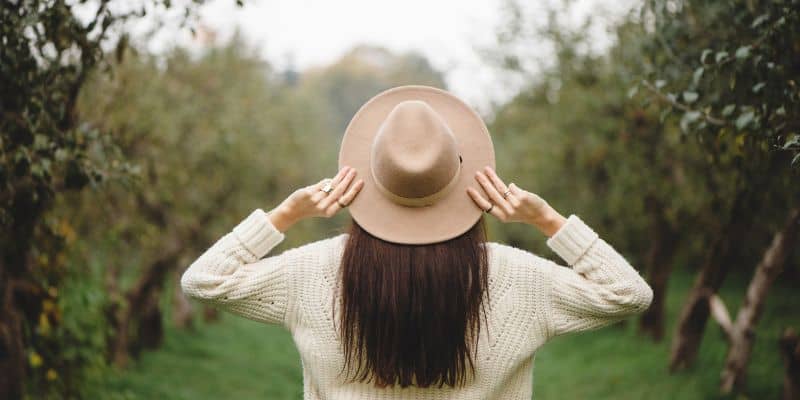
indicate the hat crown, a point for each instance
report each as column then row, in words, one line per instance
column 414, row 158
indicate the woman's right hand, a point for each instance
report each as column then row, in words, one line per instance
column 518, row 205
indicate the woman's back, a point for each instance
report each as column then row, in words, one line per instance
column 531, row 300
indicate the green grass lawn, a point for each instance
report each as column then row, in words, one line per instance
column 240, row 359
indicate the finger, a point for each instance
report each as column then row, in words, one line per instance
column 525, row 196
column 340, row 175
column 316, row 187
column 340, row 188
column 346, row 198
column 498, row 183
column 516, row 190
column 484, row 204
column 494, row 195
column 513, row 197
column 318, row 193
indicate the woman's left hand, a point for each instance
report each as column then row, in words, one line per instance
column 312, row 201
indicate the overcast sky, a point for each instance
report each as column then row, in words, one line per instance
column 316, row 32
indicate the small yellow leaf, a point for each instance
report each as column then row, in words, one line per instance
column 48, row 305
column 44, row 324
column 52, row 374
column 740, row 141
column 34, row 359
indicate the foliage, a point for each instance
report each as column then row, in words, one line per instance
column 360, row 74
column 729, row 70
column 577, row 140
column 47, row 56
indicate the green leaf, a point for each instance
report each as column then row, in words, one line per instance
column 745, row 119
column 692, row 115
column 687, row 119
column 760, row 20
column 698, row 73
column 743, row 52
column 664, row 113
column 728, row 110
column 40, row 142
column 793, row 141
column 780, row 111
column 690, row 97
column 61, row 155
column 721, row 56
column 796, row 160
column 632, row 91
column 758, row 86
column 704, row 55
column 660, row 83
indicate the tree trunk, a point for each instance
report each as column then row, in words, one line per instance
column 742, row 334
column 659, row 267
column 790, row 350
column 19, row 299
column 138, row 315
column 721, row 255
column 12, row 353
column 210, row 314
column 182, row 307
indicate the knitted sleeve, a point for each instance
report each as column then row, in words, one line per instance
column 232, row 275
column 599, row 289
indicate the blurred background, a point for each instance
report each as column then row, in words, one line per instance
column 136, row 133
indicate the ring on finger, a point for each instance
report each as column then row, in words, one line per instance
column 328, row 188
column 489, row 209
column 506, row 193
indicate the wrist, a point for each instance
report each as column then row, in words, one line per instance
column 282, row 217
column 549, row 221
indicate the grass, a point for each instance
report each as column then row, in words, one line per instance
column 240, row 359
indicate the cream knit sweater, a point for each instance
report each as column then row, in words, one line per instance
column 533, row 299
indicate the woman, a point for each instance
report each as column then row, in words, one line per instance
column 413, row 303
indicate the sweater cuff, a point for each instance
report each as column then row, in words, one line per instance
column 572, row 240
column 257, row 234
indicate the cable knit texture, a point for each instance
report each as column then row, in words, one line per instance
column 532, row 300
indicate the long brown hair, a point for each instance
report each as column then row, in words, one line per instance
column 410, row 313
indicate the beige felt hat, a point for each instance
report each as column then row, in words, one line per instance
column 417, row 149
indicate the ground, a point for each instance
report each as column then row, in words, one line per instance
column 239, row 359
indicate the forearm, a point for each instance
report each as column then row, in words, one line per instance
column 599, row 289
column 233, row 276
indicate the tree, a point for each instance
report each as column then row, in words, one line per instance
column 629, row 173
column 733, row 84
column 741, row 333
column 48, row 54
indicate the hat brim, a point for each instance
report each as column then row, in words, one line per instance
column 451, row 215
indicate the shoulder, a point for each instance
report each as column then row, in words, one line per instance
column 317, row 247
column 514, row 256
